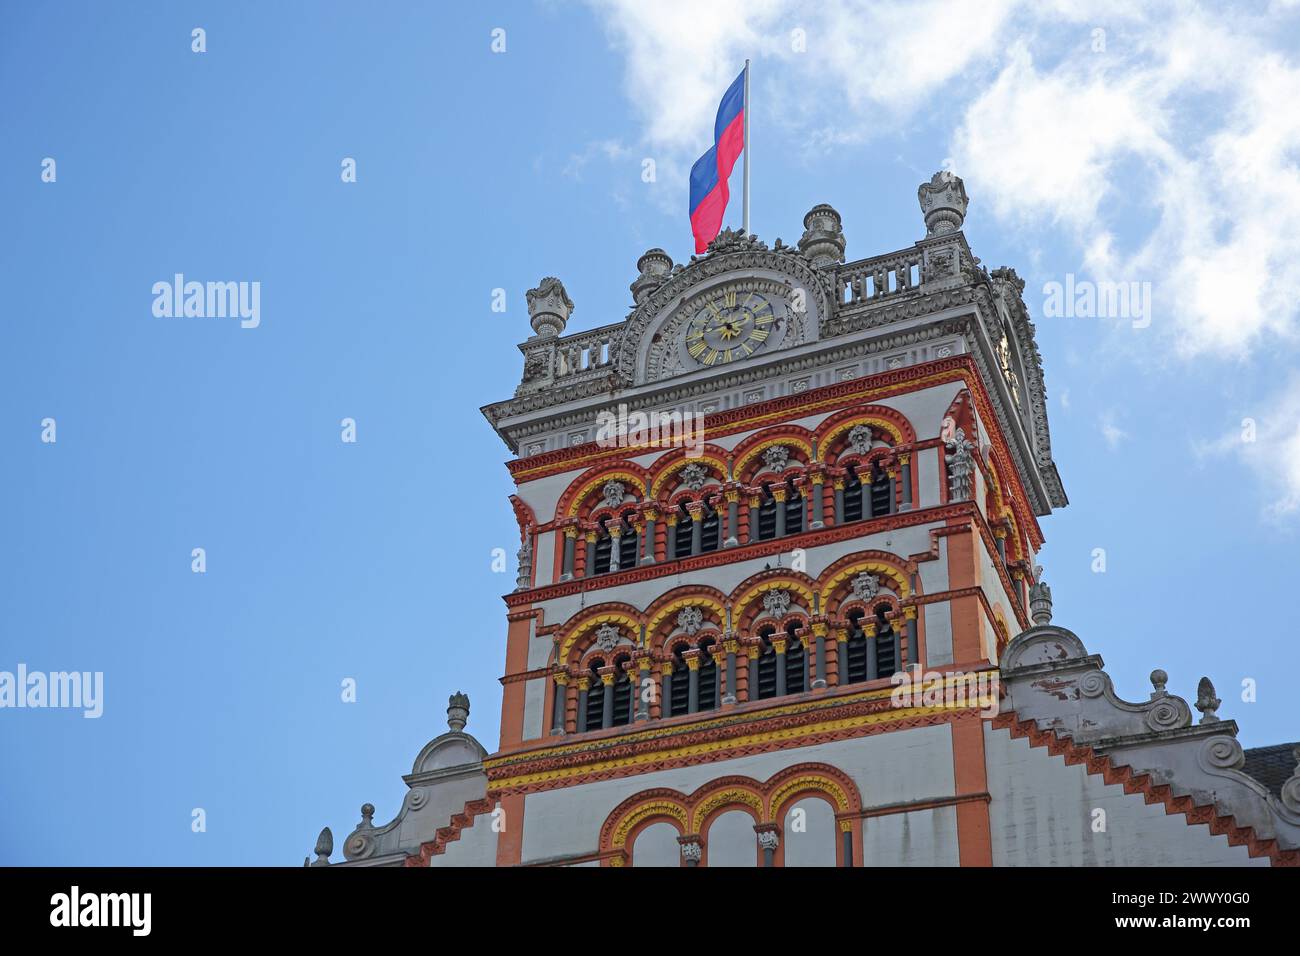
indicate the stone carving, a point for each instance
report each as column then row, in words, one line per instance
column 324, row 847
column 768, row 840
column 938, row 265
column 692, row 852
column 1040, row 599
column 733, row 240
column 1206, row 702
column 776, row 457
column 607, row 637
column 823, row 237
column 960, row 459
column 525, row 558
column 1158, row 681
column 1291, row 789
column 457, row 711
column 866, row 586
column 549, row 307
column 860, row 439
column 777, row 602
column 654, row 267
column 613, row 493
column 536, row 366
column 690, row 619
column 694, row 476
column 943, row 203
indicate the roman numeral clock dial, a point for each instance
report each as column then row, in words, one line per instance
column 730, row 325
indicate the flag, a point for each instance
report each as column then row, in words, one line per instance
column 709, row 192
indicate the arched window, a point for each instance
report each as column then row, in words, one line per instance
column 886, row 645
column 622, row 692
column 595, row 696
column 852, row 495
column 708, row 676
column 604, row 544
column 766, row 514
column 709, row 528
column 627, row 544
column 685, row 526
column 679, row 699
column 854, row 669
column 763, row 683
column 882, row 492
column 794, row 508
column 796, row 661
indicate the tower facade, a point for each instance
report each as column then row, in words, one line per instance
column 782, row 480
column 777, row 599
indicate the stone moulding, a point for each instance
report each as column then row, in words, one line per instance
column 1049, row 678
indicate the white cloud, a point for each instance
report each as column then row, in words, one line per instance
column 1269, row 443
column 1184, row 128
column 1110, row 431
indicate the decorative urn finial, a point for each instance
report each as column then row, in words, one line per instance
column 549, row 307
column 1206, row 702
column 1040, row 599
column 324, row 847
column 943, row 203
column 654, row 267
column 457, row 711
column 1158, row 681
column 823, row 236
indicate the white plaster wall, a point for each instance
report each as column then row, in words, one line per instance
column 731, row 840
column 476, row 846
column 938, row 634
column 657, row 845
column 534, row 705
column 1041, row 814
column 543, row 559
column 887, row 768
column 929, row 473
column 815, row 843
column 918, row 838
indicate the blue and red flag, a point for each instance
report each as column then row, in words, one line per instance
column 709, row 193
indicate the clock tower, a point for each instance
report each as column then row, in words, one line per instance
column 786, row 611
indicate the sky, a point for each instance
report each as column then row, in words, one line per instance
column 348, row 587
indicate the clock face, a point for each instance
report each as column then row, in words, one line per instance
column 730, row 324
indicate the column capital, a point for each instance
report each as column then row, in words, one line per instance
column 692, row 658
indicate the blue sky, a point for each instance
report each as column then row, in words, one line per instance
column 1169, row 156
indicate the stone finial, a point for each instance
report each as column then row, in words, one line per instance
column 823, row 236
column 1291, row 788
column 524, row 557
column 960, row 459
column 324, row 847
column 457, row 711
column 654, row 267
column 1206, row 702
column 367, row 816
column 1040, row 599
column 1158, row 680
column 943, row 203
column 549, row 307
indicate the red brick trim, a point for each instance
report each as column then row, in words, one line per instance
column 444, row 835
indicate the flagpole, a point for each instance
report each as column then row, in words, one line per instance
column 745, row 224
